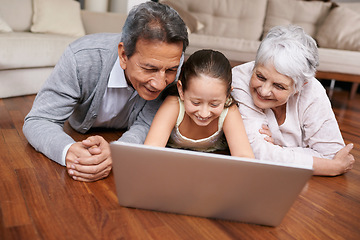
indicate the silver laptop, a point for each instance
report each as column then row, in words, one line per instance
column 205, row 184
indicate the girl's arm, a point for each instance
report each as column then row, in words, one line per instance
column 163, row 123
column 235, row 134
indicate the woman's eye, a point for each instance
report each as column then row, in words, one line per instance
column 214, row 105
column 279, row 86
column 195, row 103
column 260, row 77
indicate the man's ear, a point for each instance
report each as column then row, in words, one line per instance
column 180, row 90
column 122, row 56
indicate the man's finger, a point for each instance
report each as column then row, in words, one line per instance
column 89, row 177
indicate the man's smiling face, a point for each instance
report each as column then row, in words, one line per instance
column 152, row 67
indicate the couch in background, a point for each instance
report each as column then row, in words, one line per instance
column 34, row 34
column 236, row 27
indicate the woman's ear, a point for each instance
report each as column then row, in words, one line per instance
column 122, row 56
column 180, row 90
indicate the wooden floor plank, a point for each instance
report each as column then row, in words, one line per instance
column 53, row 215
column 38, row 200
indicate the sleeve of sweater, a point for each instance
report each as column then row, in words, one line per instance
column 140, row 128
column 43, row 126
column 321, row 132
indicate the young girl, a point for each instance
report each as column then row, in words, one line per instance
column 203, row 113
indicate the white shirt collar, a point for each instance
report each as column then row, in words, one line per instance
column 117, row 77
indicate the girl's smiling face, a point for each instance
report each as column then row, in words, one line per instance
column 270, row 89
column 204, row 98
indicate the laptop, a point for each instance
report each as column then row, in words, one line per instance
column 205, row 184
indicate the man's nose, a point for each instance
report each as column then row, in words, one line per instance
column 159, row 81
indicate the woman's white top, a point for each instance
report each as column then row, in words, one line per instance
column 212, row 143
column 310, row 128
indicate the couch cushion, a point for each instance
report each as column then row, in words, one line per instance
column 57, row 16
column 340, row 30
column 17, row 13
column 96, row 22
column 341, row 61
column 239, row 50
column 189, row 19
column 308, row 15
column 228, row 18
column 23, row 81
column 27, row 50
column 4, row 27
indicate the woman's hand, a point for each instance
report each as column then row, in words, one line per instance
column 342, row 162
column 265, row 130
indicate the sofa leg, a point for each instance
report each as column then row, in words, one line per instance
column 353, row 91
column 331, row 88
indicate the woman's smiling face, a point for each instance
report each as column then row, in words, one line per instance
column 270, row 89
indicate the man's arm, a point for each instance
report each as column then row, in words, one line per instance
column 43, row 126
column 139, row 129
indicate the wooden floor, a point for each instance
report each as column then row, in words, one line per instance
column 38, row 200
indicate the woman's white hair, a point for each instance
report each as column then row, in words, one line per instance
column 292, row 52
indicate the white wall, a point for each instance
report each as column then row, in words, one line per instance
column 120, row 6
column 123, row 6
column 132, row 3
column 96, row 5
column 346, row 0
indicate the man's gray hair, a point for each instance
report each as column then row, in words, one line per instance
column 153, row 21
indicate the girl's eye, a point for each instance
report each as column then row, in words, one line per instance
column 214, row 105
column 195, row 103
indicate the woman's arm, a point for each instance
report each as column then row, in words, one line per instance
column 163, row 123
column 254, row 118
column 235, row 134
column 342, row 162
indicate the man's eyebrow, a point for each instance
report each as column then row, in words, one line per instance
column 147, row 65
column 177, row 66
column 156, row 67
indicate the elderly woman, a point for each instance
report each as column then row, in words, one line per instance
column 287, row 114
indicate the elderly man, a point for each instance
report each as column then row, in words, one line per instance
column 107, row 80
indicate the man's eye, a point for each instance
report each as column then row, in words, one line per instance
column 146, row 69
column 171, row 70
column 150, row 69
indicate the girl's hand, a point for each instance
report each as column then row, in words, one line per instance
column 265, row 130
